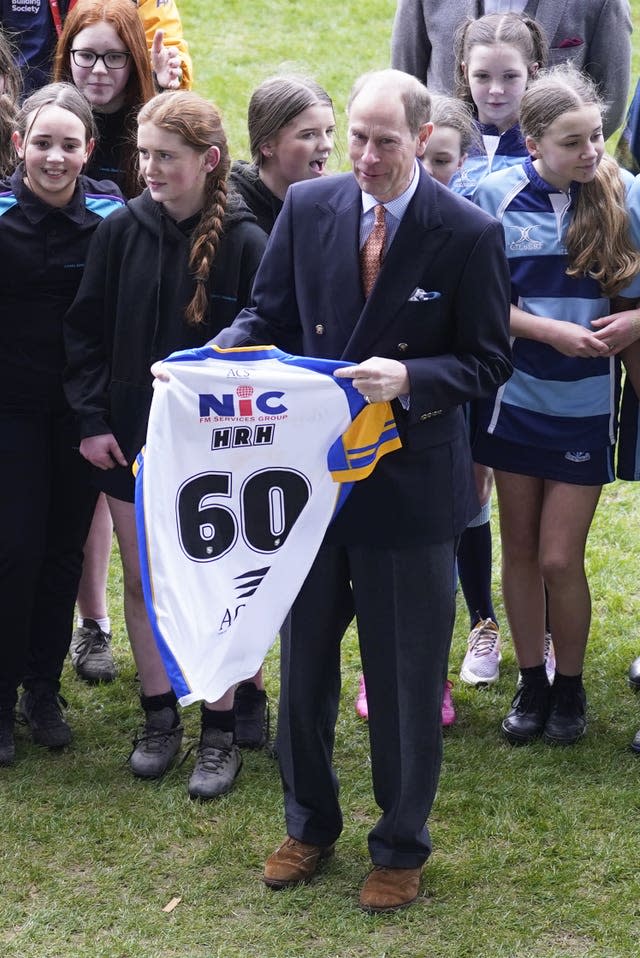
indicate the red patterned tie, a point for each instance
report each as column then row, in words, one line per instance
column 371, row 252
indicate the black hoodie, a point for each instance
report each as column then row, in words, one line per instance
column 245, row 178
column 129, row 310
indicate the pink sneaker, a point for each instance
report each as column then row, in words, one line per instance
column 448, row 711
column 362, row 709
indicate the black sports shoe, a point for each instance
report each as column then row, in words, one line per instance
column 7, row 741
column 41, row 710
column 251, row 707
column 91, row 654
column 217, row 765
column 156, row 744
column 567, row 721
column 527, row 718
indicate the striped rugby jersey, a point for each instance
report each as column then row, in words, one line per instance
column 497, row 152
column 551, row 401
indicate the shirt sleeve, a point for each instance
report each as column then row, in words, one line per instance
column 166, row 17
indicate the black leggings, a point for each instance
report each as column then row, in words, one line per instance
column 46, row 505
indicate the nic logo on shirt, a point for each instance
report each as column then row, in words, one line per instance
column 244, row 403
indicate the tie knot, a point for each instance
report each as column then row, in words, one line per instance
column 378, row 212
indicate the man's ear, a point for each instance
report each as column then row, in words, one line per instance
column 424, row 133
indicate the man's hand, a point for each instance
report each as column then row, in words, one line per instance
column 102, row 451
column 377, row 379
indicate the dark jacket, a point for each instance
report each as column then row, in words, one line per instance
column 453, row 339
column 109, row 158
column 42, row 255
column 264, row 204
column 30, row 26
column 129, row 310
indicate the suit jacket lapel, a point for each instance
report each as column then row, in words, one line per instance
column 339, row 229
column 416, row 245
column 548, row 14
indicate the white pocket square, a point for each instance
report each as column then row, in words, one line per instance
column 421, row 295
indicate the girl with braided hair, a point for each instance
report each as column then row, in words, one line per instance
column 174, row 268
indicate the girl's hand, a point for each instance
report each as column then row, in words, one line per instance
column 572, row 340
column 618, row 330
column 102, row 451
column 166, row 63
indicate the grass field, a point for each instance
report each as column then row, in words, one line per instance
column 536, row 849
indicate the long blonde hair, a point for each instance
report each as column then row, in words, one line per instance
column 199, row 124
column 598, row 239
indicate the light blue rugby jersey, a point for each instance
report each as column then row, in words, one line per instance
column 551, row 401
column 492, row 152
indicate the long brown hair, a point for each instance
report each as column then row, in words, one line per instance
column 8, row 103
column 598, row 238
column 199, row 124
column 123, row 16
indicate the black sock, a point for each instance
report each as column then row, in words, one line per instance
column 567, row 681
column 535, row 676
column 474, row 570
column 211, row 718
column 154, row 703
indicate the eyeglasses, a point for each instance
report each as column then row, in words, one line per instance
column 113, row 60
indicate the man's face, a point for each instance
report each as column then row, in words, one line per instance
column 382, row 148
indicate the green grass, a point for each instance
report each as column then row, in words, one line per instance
column 536, row 849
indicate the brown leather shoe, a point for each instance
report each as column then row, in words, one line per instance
column 294, row 863
column 387, row 889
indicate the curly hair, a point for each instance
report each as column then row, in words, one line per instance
column 199, row 124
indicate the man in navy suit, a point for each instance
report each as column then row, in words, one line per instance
column 431, row 335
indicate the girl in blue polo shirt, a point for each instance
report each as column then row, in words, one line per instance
column 496, row 56
column 549, row 432
column 48, row 212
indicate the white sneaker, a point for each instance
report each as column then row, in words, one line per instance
column 549, row 657
column 481, row 664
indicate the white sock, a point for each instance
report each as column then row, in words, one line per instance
column 104, row 624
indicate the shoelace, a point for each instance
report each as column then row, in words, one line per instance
column 484, row 641
column 212, row 757
column 154, row 738
column 91, row 642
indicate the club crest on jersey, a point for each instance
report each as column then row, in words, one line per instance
column 524, row 240
column 245, row 403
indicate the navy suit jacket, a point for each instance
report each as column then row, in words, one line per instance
column 309, row 301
